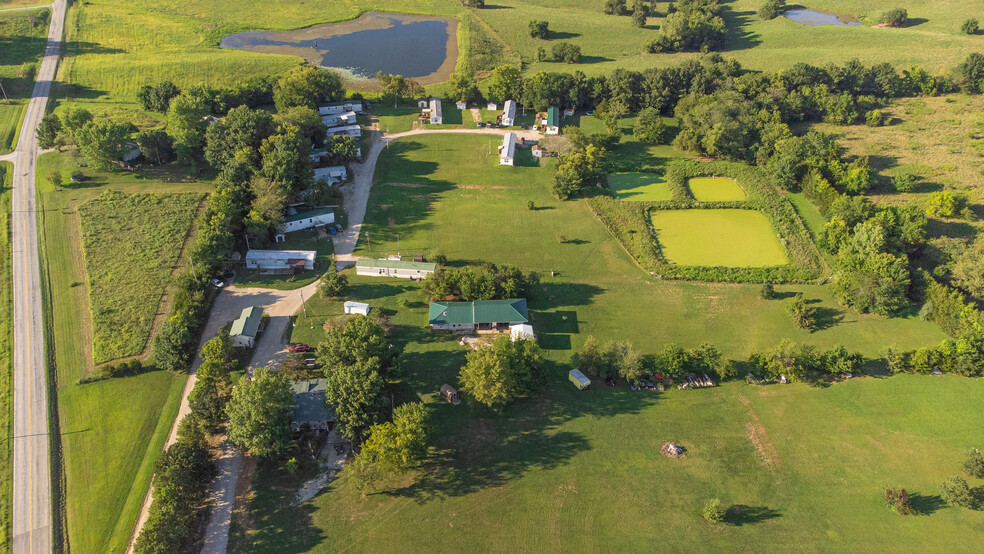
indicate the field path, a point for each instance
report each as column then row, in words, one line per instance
column 32, row 510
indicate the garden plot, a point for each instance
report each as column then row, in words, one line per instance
column 715, row 189
column 730, row 238
column 642, row 187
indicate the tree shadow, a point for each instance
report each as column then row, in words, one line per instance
column 914, row 21
column 827, row 317
column 953, row 229
column 926, row 505
column 738, row 37
column 740, row 514
column 561, row 35
column 594, row 59
column 276, row 523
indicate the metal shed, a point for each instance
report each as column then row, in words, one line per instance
column 579, row 379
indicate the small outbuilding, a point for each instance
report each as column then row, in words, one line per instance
column 310, row 409
column 507, row 151
column 553, row 120
column 357, row 308
column 286, row 261
column 536, row 151
column 423, row 103
column 449, row 394
column 131, row 151
column 461, row 105
column 520, row 331
column 509, row 113
column 394, row 268
column 579, row 379
column 246, row 327
column 491, row 106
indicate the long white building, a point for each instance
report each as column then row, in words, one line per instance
column 509, row 114
column 507, row 152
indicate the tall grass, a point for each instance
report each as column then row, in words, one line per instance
column 6, row 357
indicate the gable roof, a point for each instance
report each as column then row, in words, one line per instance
column 305, row 215
column 479, row 311
column 309, row 401
column 248, row 323
column 553, row 116
column 395, row 264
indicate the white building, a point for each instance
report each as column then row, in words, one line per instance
column 461, row 105
column 334, row 120
column 509, row 113
column 436, row 117
column 280, row 259
column 520, row 331
column 333, row 174
column 507, row 152
column 491, row 106
column 307, row 220
column 423, row 103
column 347, row 130
column 357, row 308
column 342, row 107
column 394, row 268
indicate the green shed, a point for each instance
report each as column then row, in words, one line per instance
column 579, row 379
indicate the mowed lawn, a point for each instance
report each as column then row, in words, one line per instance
column 641, row 187
column 131, row 243
column 112, row 431
column 6, row 357
column 22, row 40
column 731, row 238
column 715, row 189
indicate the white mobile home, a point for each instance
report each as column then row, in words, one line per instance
column 394, row 268
column 333, row 174
column 507, row 152
column 334, row 120
column 346, row 130
column 290, row 260
column 307, row 220
column 436, row 117
column 357, row 308
column 342, row 107
column 509, row 113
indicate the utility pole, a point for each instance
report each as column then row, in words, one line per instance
column 369, row 244
column 398, row 245
column 192, row 262
column 246, row 235
column 3, row 91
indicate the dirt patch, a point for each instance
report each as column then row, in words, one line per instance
column 760, row 440
column 244, row 496
column 743, row 400
column 407, row 185
column 480, row 187
column 482, row 430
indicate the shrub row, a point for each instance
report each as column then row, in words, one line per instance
column 132, row 367
column 630, row 223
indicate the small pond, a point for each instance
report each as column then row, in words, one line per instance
column 424, row 48
column 813, row 17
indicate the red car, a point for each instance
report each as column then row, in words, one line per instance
column 300, row 348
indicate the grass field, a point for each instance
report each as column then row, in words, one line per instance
column 131, row 244
column 22, row 39
column 6, row 358
column 730, row 238
column 715, row 189
column 112, row 431
column 644, row 187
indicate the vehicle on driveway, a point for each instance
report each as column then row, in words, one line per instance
column 300, row 347
column 218, row 283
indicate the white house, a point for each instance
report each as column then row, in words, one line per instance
column 334, row 120
column 357, row 308
column 509, row 113
column 347, row 130
column 507, row 152
column 307, row 220
column 244, row 330
column 552, row 122
column 520, row 331
column 394, row 268
column 333, row 174
column 436, row 117
column 280, row 259
column 342, row 107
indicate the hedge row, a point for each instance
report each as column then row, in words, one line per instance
column 631, row 224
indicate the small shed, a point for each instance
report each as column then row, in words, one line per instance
column 461, row 105
column 449, row 394
column 537, row 151
column 357, row 308
column 579, row 379
column 520, row 331
column 423, row 102
column 569, row 112
column 491, row 106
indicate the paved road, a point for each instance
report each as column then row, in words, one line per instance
column 32, row 478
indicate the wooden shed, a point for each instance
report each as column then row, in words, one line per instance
column 449, row 394
column 580, row 380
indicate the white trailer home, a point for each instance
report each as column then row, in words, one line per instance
column 507, row 151
column 509, row 114
column 306, row 220
column 394, row 268
column 280, row 259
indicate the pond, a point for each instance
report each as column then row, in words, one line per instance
column 813, row 17
column 423, row 48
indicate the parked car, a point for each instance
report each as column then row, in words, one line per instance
column 332, row 231
column 218, row 283
column 300, row 347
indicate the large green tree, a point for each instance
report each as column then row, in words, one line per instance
column 259, row 414
column 102, row 143
column 355, row 392
column 505, row 83
column 359, row 339
column 497, row 374
column 238, row 136
column 307, row 86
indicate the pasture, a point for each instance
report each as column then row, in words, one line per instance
column 715, row 189
column 730, row 238
column 112, row 431
column 644, row 187
column 22, row 39
column 6, row 357
column 132, row 244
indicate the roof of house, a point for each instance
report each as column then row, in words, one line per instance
column 435, row 106
column 248, row 323
column 395, row 264
column 508, row 146
column 309, row 401
column 509, row 110
column 479, row 311
column 308, row 214
column 553, row 116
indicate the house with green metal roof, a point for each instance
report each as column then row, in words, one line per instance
column 404, row 269
column 244, row 330
column 553, row 120
column 310, row 409
column 489, row 316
